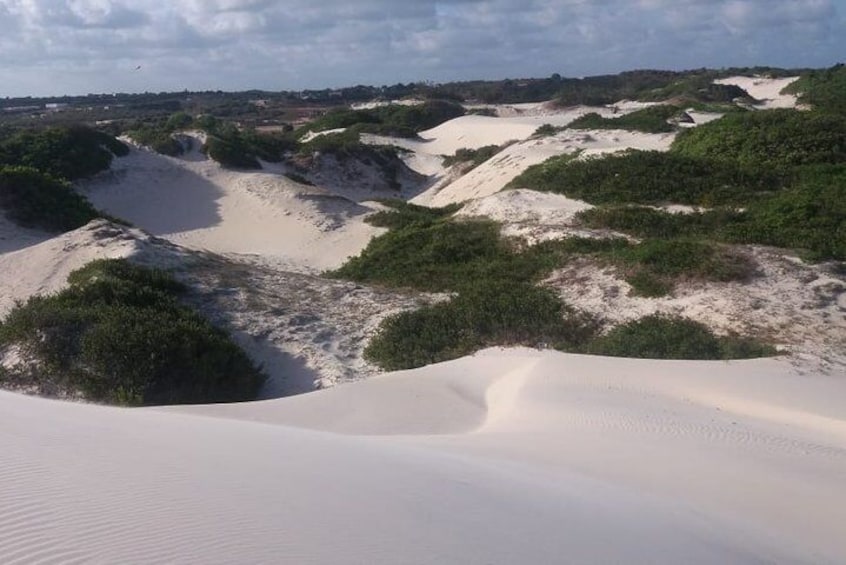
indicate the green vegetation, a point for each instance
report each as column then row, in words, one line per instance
column 649, row 177
column 810, row 216
column 71, row 152
column 823, row 90
column 159, row 140
column 654, row 119
column 546, row 130
column 697, row 88
column 239, row 149
column 642, row 221
column 777, row 139
column 480, row 316
column 657, row 264
column 474, row 157
column 402, row 214
column 669, row 337
column 119, row 335
column 36, row 200
column 393, row 120
column 496, row 301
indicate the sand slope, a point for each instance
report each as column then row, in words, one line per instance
column 547, row 458
column 195, row 203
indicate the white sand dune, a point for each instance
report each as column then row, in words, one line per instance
column 43, row 268
column 507, row 457
column 766, row 90
column 200, row 205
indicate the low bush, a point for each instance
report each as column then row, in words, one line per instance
column 474, row 157
column 394, row 120
column 546, row 130
column 774, row 139
column 670, row 337
column 119, row 335
column 482, row 315
column 811, row 216
column 824, row 90
column 684, row 258
column 160, row 141
column 650, row 177
column 641, row 221
column 654, row 119
column 36, row 200
column 402, row 214
column 69, row 152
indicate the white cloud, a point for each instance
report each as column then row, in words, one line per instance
column 82, row 45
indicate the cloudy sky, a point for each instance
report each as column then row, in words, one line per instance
column 81, row 46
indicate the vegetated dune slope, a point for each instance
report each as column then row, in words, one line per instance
column 543, row 458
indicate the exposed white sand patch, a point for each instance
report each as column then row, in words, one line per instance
column 575, row 459
column 766, row 90
column 798, row 306
column 200, row 205
column 525, row 206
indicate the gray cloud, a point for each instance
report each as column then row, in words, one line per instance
column 91, row 45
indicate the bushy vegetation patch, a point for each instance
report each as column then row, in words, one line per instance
column 546, row 130
column 649, row 177
column 119, row 335
column 824, row 90
column 36, row 200
column 393, row 120
column 654, row 119
column 159, row 140
column 70, row 152
column 473, row 157
column 670, row 337
column 810, row 216
column 773, row 138
column 697, row 88
column 670, row 260
column 482, row 315
column 642, row 221
column 402, row 214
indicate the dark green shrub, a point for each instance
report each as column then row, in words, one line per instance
column 648, row 222
column 777, row 139
column 676, row 258
column 649, row 177
column 483, row 315
column 160, row 141
column 653, row 119
column 231, row 150
column 546, row 130
column 824, row 90
column 36, row 200
column 119, row 335
column 670, row 337
column 393, row 120
column 69, row 152
column 474, row 157
column 404, row 214
column 811, row 215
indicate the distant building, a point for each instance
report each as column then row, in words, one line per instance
column 56, row 106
